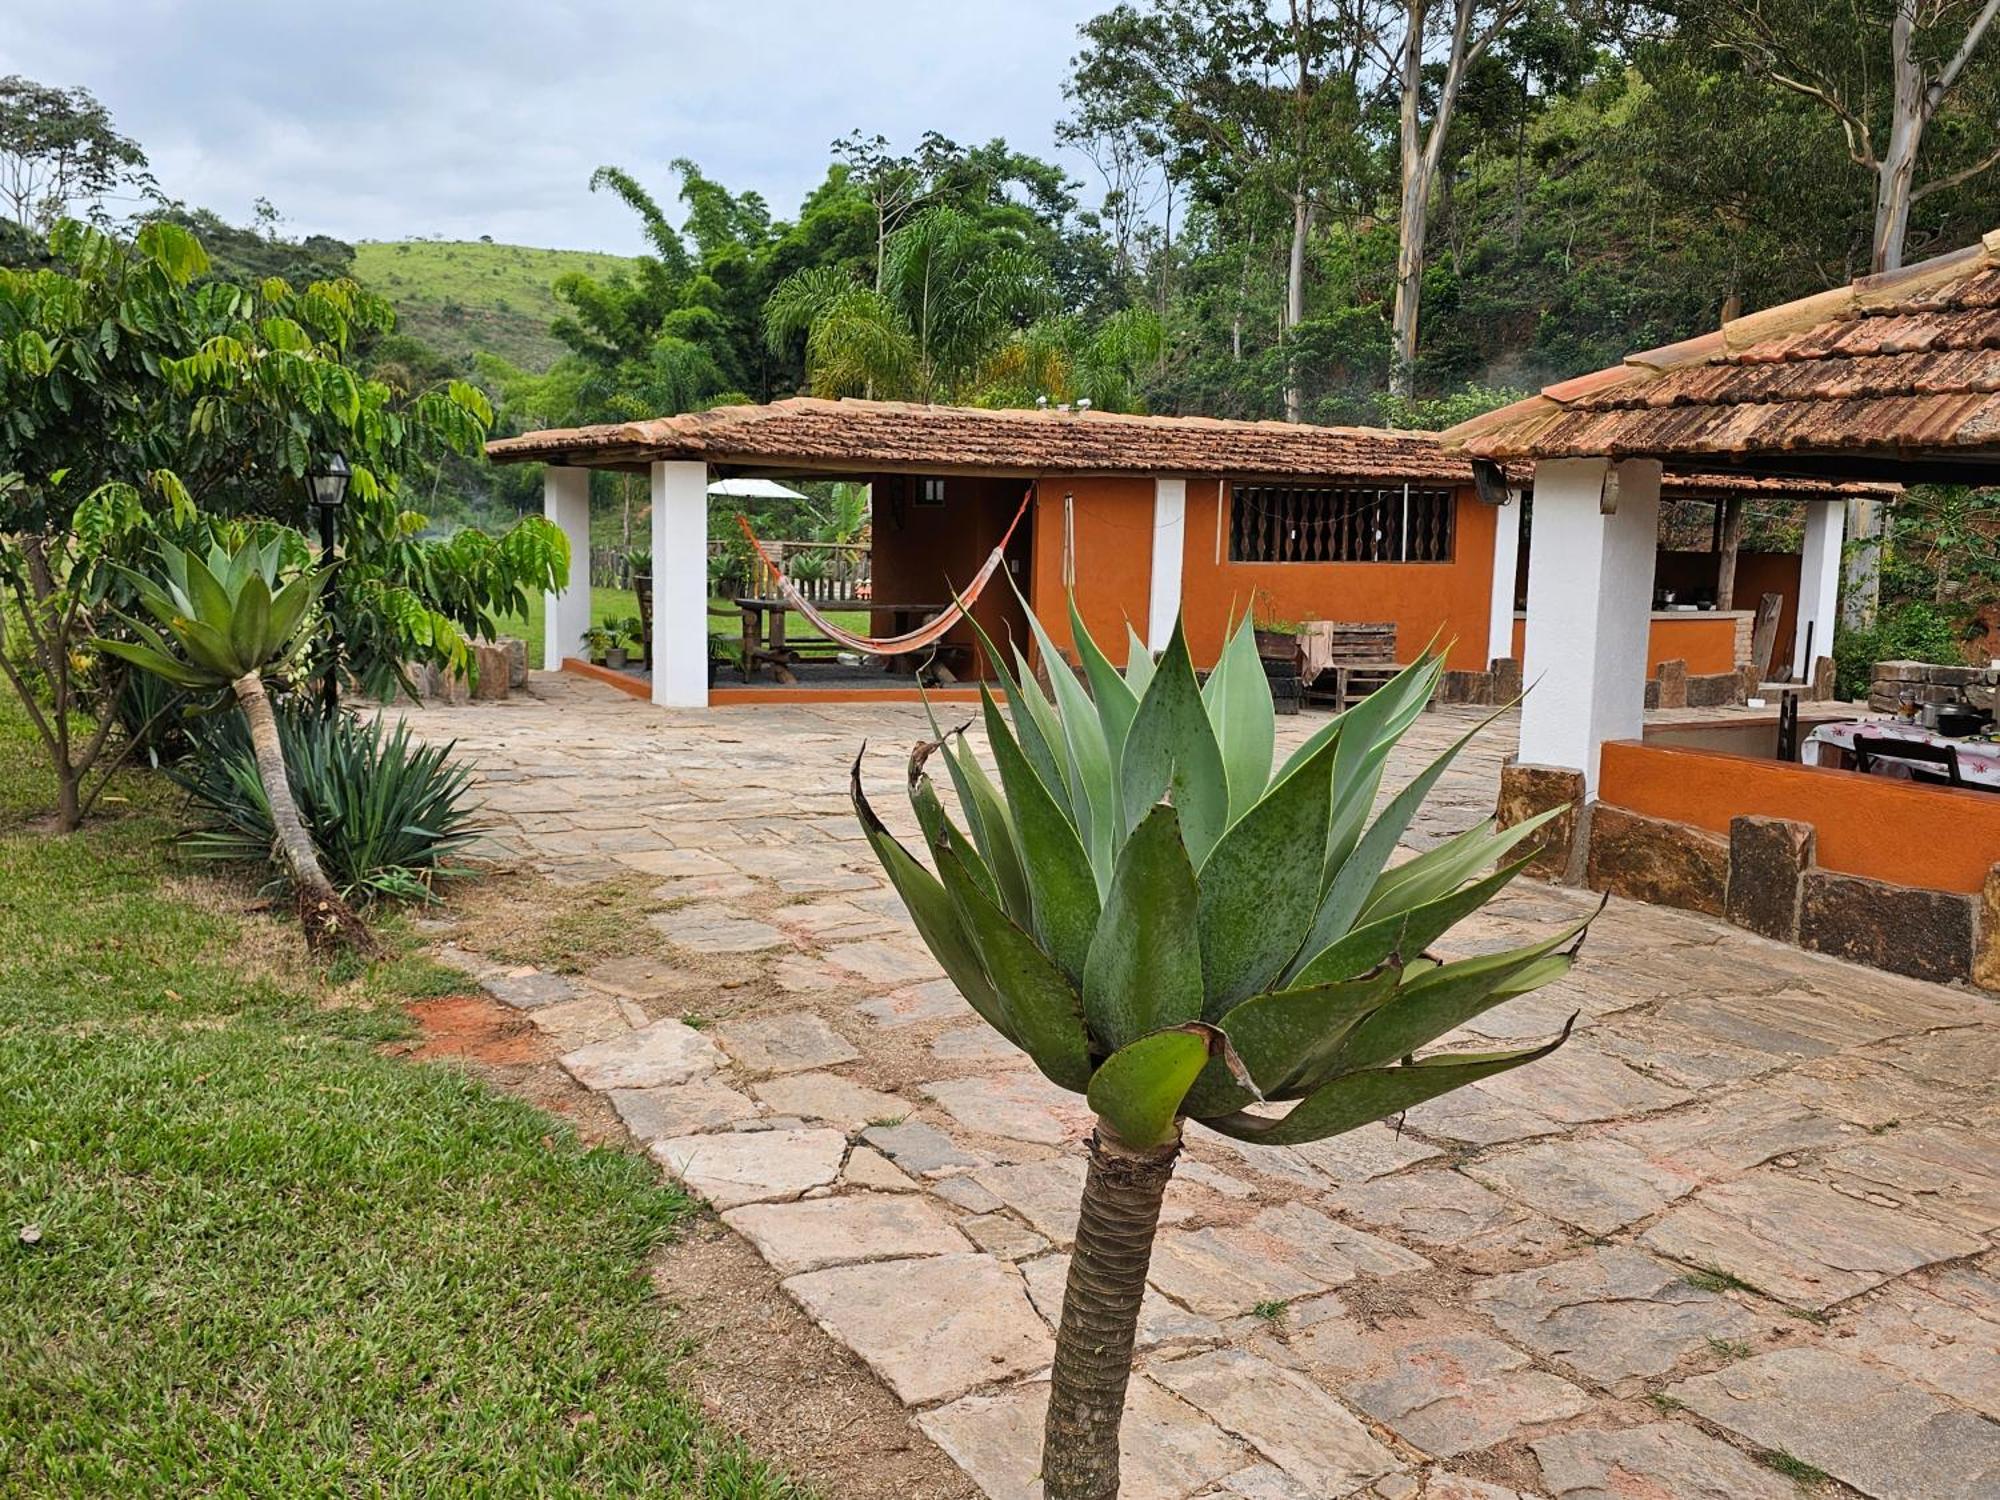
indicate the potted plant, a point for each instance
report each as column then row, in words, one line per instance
column 1277, row 639
column 597, row 645
column 630, row 630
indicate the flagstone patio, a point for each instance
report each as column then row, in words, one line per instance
column 1741, row 1228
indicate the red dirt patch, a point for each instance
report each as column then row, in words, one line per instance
column 476, row 1028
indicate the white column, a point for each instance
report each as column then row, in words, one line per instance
column 1819, row 583
column 1169, row 543
column 566, row 616
column 1590, row 600
column 680, row 584
column 1506, row 568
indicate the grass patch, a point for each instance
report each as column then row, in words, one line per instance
column 576, row 929
column 1801, row 1473
column 622, row 604
column 270, row 1259
column 1270, row 1312
column 1661, row 1401
column 1728, row 1348
column 1715, row 1279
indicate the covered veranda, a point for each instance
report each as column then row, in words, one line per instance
column 1892, row 378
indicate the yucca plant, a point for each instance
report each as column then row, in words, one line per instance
column 1170, row 929
column 233, row 621
column 389, row 814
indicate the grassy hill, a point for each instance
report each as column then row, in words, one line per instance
column 466, row 297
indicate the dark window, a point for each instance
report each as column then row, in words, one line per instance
column 1340, row 523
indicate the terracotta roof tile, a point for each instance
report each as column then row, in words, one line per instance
column 1895, row 366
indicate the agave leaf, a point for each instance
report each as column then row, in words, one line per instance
column 1062, row 889
column 208, row 648
column 1283, row 1035
column 213, row 603
column 290, row 603
column 1115, row 701
column 1406, row 933
column 1042, row 1005
column 1370, row 731
column 1139, row 1088
column 1043, row 741
column 1357, row 875
column 1089, row 759
column 1171, row 746
column 1138, row 664
column 1261, row 885
column 173, row 562
column 1238, row 700
column 1144, row 968
column 1355, row 1099
column 250, row 625
column 160, row 663
column 992, row 828
column 1436, row 872
column 1445, row 998
column 936, row 823
column 931, row 909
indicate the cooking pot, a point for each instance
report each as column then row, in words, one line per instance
column 1957, row 720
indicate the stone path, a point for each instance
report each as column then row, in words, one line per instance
column 1742, row 1228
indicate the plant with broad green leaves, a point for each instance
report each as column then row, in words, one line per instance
column 232, row 621
column 1168, row 927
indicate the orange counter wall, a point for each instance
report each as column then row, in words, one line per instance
column 1935, row 837
column 1112, row 521
column 1706, row 642
column 1419, row 597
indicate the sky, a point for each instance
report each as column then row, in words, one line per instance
column 372, row 120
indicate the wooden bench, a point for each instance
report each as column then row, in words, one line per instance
column 1361, row 657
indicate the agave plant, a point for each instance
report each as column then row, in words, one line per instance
column 232, row 621
column 1169, row 928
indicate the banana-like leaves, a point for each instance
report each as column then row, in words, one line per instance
column 1165, row 924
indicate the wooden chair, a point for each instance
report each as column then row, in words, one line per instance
column 1363, row 658
column 1868, row 746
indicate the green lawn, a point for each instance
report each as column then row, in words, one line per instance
column 617, row 604
column 269, row 1259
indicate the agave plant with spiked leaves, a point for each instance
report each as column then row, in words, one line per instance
column 1172, row 928
column 232, row 620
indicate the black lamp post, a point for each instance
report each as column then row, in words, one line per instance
column 327, row 481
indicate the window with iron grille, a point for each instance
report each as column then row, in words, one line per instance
column 1280, row 523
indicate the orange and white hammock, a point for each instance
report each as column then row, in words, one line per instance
column 920, row 639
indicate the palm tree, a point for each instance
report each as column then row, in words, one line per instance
column 233, row 621
column 950, row 295
column 1168, row 928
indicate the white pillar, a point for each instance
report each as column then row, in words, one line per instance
column 1819, row 583
column 566, row 616
column 1169, row 543
column 1506, row 569
column 680, row 584
column 1590, row 600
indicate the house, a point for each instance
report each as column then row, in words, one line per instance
column 1139, row 517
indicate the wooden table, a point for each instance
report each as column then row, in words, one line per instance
column 765, row 643
column 1833, row 744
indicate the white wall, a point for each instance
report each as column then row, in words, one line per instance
column 1819, row 583
column 1169, row 544
column 1590, row 599
column 1506, row 570
column 680, row 584
column 565, row 616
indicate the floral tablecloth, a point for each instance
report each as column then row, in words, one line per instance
column 1978, row 760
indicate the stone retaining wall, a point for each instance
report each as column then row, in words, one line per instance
column 1932, row 682
column 1764, row 878
column 1673, row 688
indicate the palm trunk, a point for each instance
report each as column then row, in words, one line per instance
column 330, row 925
column 1100, row 1316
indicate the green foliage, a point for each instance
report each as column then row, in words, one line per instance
column 1914, row 630
column 1245, row 942
column 58, row 150
column 389, row 815
column 228, row 614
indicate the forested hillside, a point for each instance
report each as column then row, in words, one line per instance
column 470, row 297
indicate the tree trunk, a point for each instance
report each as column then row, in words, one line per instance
column 1295, row 303
column 329, row 924
column 1100, row 1315
column 1725, row 554
column 1861, row 585
column 1896, row 173
column 69, row 797
column 1413, row 210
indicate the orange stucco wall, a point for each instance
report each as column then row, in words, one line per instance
column 1706, row 642
column 1112, row 523
column 1421, row 598
column 1934, row 837
column 922, row 552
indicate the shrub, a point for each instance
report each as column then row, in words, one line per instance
column 1913, row 631
column 388, row 813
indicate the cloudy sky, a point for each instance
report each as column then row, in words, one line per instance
column 378, row 120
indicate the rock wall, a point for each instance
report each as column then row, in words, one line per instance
column 1932, row 682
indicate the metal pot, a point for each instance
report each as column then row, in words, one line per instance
column 1957, row 720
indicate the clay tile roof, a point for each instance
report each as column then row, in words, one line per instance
column 868, row 436
column 1893, row 367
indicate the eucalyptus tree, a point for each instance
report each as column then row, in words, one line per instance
column 1170, row 928
column 59, row 152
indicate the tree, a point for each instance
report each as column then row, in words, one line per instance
column 130, row 383
column 57, row 150
column 1467, row 29
column 1242, row 943
column 233, row 622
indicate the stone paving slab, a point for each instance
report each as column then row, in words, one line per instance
column 650, row 1057
column 795, row 1042
column 1864, row 1426
column 820, row 1232
column 753, row 1166
column 1661, row 1461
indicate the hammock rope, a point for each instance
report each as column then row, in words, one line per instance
column 893, row 645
